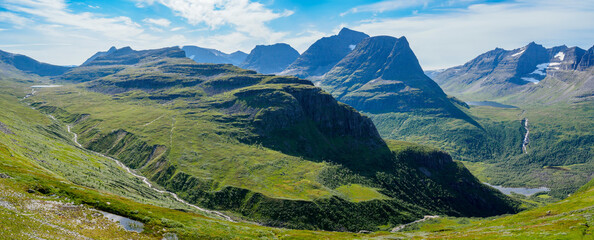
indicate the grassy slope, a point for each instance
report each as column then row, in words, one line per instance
column 571, row 218
column 213, row 157
column 39, row 155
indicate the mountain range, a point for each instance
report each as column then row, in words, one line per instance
column 523, row 75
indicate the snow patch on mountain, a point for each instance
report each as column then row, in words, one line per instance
column 560, row 56
column 519, row 53
column 532, row 80
column 540, row 69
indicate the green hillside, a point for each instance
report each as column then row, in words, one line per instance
column 60, row 192
column 275, row 150
column 559, row 155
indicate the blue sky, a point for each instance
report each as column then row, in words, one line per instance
column 442, row 33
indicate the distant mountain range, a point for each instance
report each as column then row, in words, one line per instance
column 523, row 75
column 270, row 59
column 207, row 55
column 19, row 64
column 320, row 57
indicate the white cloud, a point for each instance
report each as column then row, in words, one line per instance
column 243, row 15
column 162, row 22
column 388, row 5
column 55, row 12
column 452, row 38
column 15, row 19
column 74, row 36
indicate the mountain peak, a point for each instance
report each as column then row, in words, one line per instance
column 403, row 40
column 383, row 75
column 321, row 56
column 347, row 31
column 270, row 58
column 533, row 45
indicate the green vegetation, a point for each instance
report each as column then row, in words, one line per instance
column 280, row 163
column 264, row 148
column 560, row 152
column 567, row 219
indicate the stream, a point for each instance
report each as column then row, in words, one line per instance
column 526, row 139
column 150, row 185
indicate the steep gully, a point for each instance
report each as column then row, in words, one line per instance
column 144, row 179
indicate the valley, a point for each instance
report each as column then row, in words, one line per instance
column 349, row 138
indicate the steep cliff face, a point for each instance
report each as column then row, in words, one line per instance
column 321, row 56
column 587, row 60
column 269, row 59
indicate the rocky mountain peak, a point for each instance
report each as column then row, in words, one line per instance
column 270, row 58
column 345, row 32
column 402, row 62
column 321, row 56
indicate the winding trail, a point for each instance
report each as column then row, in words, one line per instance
column 425, row 218
column 150, row 185
column 526, row 139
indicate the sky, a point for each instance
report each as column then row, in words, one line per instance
column 441, row 33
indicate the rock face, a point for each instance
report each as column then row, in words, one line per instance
column 500, row 72
column 382, row 74
column 207, row 55
column 587, row 60
column 320, row 57
column 269, row 59
column 30, row 65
